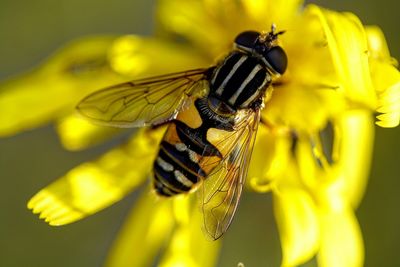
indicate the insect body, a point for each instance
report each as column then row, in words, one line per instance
column 213, row 115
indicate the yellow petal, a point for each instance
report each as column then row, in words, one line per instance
column 386, row 79
column 212, row 25
column 378, row 49
column 311, row 173
column 278, row 10
column 56, row 86
column 347, row 42
column 95, row 185
column 188, row 246
column 137, row 56
column 305, row 57
column 204, row 23
column 389, row 97
column 269, row 158
column 356, row 136
column 297, row 221
column 144, row 231
column 301, row 108
column 351, row 151
column 77, row 133
column 341, row 240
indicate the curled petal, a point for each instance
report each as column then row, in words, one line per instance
column 95, row 185
column 386, row 79
column 297, row 221
column 377, row 46
column 389, row 99
column 347, row 42
column 346, row 172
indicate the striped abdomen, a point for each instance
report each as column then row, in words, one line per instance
column 240, row 80
column 177, row 167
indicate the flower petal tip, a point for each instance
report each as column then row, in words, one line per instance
column 52, row 211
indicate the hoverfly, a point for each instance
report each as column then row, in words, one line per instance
column 212, row 115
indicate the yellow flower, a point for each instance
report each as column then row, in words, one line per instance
column 313, row 156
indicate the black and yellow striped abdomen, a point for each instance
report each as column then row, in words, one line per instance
column 177, row 168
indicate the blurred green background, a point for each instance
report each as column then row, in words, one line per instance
column 31, row 30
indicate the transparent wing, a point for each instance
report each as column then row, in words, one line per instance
column 222, row 188
column 142, row 102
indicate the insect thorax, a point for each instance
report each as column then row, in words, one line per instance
column 240, row 80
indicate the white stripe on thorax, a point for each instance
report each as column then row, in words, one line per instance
column 250, row 77
column 216, row 74
column 230, row 74
column 256, row 93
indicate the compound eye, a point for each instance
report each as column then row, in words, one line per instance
column 247, row 39
column 277, row 59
